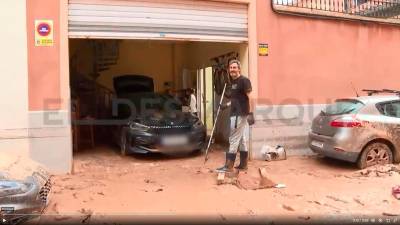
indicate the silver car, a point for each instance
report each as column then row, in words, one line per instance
column 363, row 129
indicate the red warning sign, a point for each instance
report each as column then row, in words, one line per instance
column 44, row 29
column 44, row 33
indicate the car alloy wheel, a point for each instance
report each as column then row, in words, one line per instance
column 375, row 154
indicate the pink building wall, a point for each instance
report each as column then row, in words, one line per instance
column 314, row 60
column 43, row 62
column 310, row 60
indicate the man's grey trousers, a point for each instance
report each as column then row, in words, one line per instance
column 238, row 138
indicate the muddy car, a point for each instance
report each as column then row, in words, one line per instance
column 364, row 130
column 24, row 191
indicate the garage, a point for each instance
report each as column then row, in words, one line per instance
column 179, row 44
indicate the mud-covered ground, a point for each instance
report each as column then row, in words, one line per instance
column 106, row 187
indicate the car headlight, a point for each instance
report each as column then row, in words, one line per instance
column 138, row 126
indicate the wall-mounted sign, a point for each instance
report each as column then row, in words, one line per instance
column 44, row 33
column 262, row 49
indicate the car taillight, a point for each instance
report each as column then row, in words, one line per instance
column 346, row 122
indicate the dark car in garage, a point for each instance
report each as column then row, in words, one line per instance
column 153, row 122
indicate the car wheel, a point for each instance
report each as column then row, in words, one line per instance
column 374, row 154
column 123, row 144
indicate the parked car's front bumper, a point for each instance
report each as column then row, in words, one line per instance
column 330, row 147
column 145, row 142
column 25, row 199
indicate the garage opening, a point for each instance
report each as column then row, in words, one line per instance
column 180, row 45
column 174, row 66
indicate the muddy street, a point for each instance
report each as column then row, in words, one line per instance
column 106, row 184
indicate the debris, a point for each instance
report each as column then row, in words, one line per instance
column 280, row 186
column 358, row 201
column 148, row 181
column 100, row 193
column 287, row 207
column 317, row 202
column 264, row 181
column 220, row 178
column 380, row 171
column 304, row 217
column 75, row 195
column 336, row 199
column 396, row 192
column 160, row 189
column 228, row 178
column 87, row 218
column 222, row 217
column 60, row 218
column 270, row 153
column 390, row 214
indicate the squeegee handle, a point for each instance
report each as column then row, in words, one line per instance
column 215, row 122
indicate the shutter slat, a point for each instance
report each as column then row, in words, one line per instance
column 161, row 19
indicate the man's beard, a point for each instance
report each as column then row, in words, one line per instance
column 234, row 74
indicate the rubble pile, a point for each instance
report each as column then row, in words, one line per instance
column 380, row 171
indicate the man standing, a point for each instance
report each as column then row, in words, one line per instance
column 192, row 104
column 240, row 109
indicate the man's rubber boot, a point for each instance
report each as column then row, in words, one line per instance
column 243, row 161
column 230, row 161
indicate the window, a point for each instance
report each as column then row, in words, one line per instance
column 343, row 106
column 391, row 109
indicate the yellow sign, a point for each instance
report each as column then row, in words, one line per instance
column 44, row 33
column 262, row 49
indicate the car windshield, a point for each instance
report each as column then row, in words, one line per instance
column 343, row 106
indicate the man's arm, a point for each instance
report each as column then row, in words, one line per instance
column 250, row 101
column 248, row 89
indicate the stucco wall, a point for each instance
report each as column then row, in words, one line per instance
column 149, row 58
column 314, row 60
column 43, row 62
column 49, row 131
column 311, row 62
column 14, row 77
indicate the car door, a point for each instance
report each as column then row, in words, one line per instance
column 391, row 112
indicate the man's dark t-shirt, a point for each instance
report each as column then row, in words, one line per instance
column 239, row 100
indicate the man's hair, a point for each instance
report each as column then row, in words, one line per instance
column 235, row 61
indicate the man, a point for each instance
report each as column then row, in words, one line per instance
column 192, row 104
column 240, row 109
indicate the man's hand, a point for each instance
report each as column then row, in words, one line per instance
column 225, row 106
column 251, row 119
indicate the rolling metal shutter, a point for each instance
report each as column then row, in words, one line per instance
column 199, row 20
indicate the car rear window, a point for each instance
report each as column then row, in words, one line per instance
column 343, row 106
